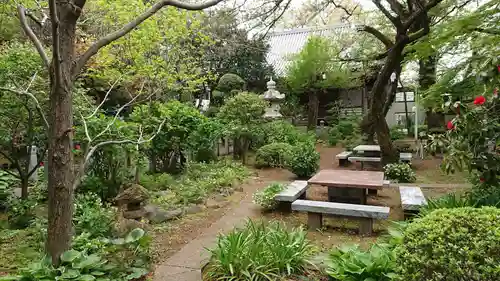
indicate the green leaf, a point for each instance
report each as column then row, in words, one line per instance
column 134, row 235
column 70, row 274
column 87, row 277
column 70, row 256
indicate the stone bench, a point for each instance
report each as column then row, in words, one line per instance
column 405, row 157
column 364, row 213
column 292, row 192
column 412, row 199
column 363, row 159
column 343, row 158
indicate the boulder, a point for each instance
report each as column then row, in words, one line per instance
column 135, row 214
column 133, row 194
column 156, row 214
column 124, row 226
column 193, row 209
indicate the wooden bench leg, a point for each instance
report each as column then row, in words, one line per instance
column 314, row 220
column 365, row 227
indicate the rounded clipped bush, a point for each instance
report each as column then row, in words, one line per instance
column 273, row 155
column 400, row 172
column 265, row 197
column 229, row 82
column 304, row 160
column 451, row 244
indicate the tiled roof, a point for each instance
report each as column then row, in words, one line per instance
column 284, row 44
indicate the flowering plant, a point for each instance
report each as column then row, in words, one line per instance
column 473, row 138
column 400, row 172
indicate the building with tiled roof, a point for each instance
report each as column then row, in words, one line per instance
column 284, row 44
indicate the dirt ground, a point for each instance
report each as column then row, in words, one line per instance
column 170, row 238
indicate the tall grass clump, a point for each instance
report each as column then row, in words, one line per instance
column 260, row 252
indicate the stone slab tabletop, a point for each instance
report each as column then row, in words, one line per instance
column 345, row 178
column 412, row 198
column 367, row 147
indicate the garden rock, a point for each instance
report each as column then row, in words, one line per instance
column 135, row 214
column 156, row 214
column 133, row 194
column 124, row 226
column 193, row 209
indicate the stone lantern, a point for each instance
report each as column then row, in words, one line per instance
column 275, row 98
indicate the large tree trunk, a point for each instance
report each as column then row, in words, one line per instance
column 61, row 176
column 427, row 78
column 368, row 122
column 378, row 99
column 312, row 111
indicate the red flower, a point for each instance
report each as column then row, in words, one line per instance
column 481, row 179
column 77, row 146
column 479, row 100
column 41, row 164
column 495, row 93
column 450, row 125
column 498, row 67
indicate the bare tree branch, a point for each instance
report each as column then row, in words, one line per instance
column 105, row 98
column 118, row 113
column 415, row 15
column 395, row 21
column 31, row 35
column 37, row 104
column 397, row 8
column 379, row 35
column 104, row 41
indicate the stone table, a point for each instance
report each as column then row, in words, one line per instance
column 348, row 186
column 368, row 150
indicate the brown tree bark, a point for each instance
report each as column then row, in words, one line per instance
column 312, row 111
column 60, row 182
column 378, row 100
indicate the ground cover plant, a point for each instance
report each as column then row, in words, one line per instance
column 265, row 197
column 259, row 251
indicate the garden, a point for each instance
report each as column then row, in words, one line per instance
column 169, row 141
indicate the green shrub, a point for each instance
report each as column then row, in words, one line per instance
column 346, row 127
column 204, row 139
column 400, row 172
column 157, row 182
column 260, row 252
column 273, row 155
column 21, row 212
column 230, row 82
column 304, row 160
column 451, row 244
column 93, row 216
column 334, row 136
column 397, row 133
column 351, row 263
column 6, row 183
column 265, row 197
column 351, row 141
